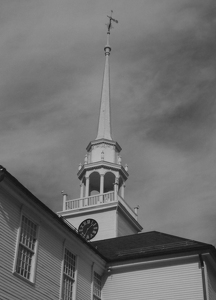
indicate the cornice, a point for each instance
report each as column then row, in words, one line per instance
column 103, row 164
column 130, row 217
column 104, row 141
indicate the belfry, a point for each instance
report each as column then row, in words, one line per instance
column 101, row 211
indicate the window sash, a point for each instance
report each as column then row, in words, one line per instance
column 97, row 286
column 67, row 288
column 69, row 264
column 28, row 233
column 69, row 269
column 26, row 248
column 24, row 262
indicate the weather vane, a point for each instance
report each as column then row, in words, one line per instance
column 109, row 25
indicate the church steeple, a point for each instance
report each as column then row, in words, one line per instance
column 104, row 122
column 102, row 178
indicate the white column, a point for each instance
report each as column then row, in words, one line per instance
column 64, row 200
column 122, row 190
column 116, row 188
column 101, row 187
column 87, row 190
column 101, row 183
column 81, row 189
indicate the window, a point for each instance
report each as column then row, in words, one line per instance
column 97, row 287
column 68, row 275
column 26, row 249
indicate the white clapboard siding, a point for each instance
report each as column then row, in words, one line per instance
column 174, row 282
column 83, row 280
column 49, row 257
column 51, row 243
column 106, row 221
column 9, row 223
column 211, row 282
column 49, row 262
column 124, row 227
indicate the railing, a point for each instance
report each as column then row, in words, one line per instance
column 97, row 200
column 89, row 201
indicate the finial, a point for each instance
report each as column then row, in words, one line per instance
column 107, row 48
column 109, row 25
column 136, row 209
column 80, row 167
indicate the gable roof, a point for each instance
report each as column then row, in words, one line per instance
column 147, row 244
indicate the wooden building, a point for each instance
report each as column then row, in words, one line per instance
column 44, row 257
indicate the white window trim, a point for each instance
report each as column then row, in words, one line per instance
column 62, row 272
column 31, row 280
column 93, row 276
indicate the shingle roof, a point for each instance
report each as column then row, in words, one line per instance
column 146, row 244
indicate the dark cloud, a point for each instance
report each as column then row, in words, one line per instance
column 163, row 101
column 176, row 88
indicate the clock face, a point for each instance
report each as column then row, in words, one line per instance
column 88, row 229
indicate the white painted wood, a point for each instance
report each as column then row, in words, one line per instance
column 52, row 237
column 211, row 281
column 124, row 226
column 106, row 220
column 84, row 281
column 166, row 281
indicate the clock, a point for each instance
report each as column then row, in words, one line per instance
column 88, row 229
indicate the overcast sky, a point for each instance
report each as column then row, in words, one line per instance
column 163, row 94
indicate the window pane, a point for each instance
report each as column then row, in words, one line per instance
column 24, row 262
column 28, row 233
column 69, row 264
column 97, row 286
column 26, row 248
column 69, row 275
column 67, row 288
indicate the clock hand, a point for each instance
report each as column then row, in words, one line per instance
column 88, row 229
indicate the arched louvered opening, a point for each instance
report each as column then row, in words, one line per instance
column 109, row 180
column 94, row 183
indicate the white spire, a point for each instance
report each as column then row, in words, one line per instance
column 104, row 122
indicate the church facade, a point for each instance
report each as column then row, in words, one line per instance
column 94, row 248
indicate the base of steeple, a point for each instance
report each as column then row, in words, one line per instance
column 114, row 216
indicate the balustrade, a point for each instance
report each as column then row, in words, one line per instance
column 89, row 201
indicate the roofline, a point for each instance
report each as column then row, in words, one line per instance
column 106, row 165
column 5, row 174
column 106, row 141
column 192, row 251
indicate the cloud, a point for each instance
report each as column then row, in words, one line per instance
column 163, row 101
column 171, row 80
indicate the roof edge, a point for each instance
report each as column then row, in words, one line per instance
column 4, row 174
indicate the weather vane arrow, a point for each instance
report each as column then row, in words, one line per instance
column 109, row 25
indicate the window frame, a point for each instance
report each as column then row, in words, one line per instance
column 96, row 296
column 72, row 279
column 21, row 245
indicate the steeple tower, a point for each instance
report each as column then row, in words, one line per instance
column 104, row 122
column 102, row 178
